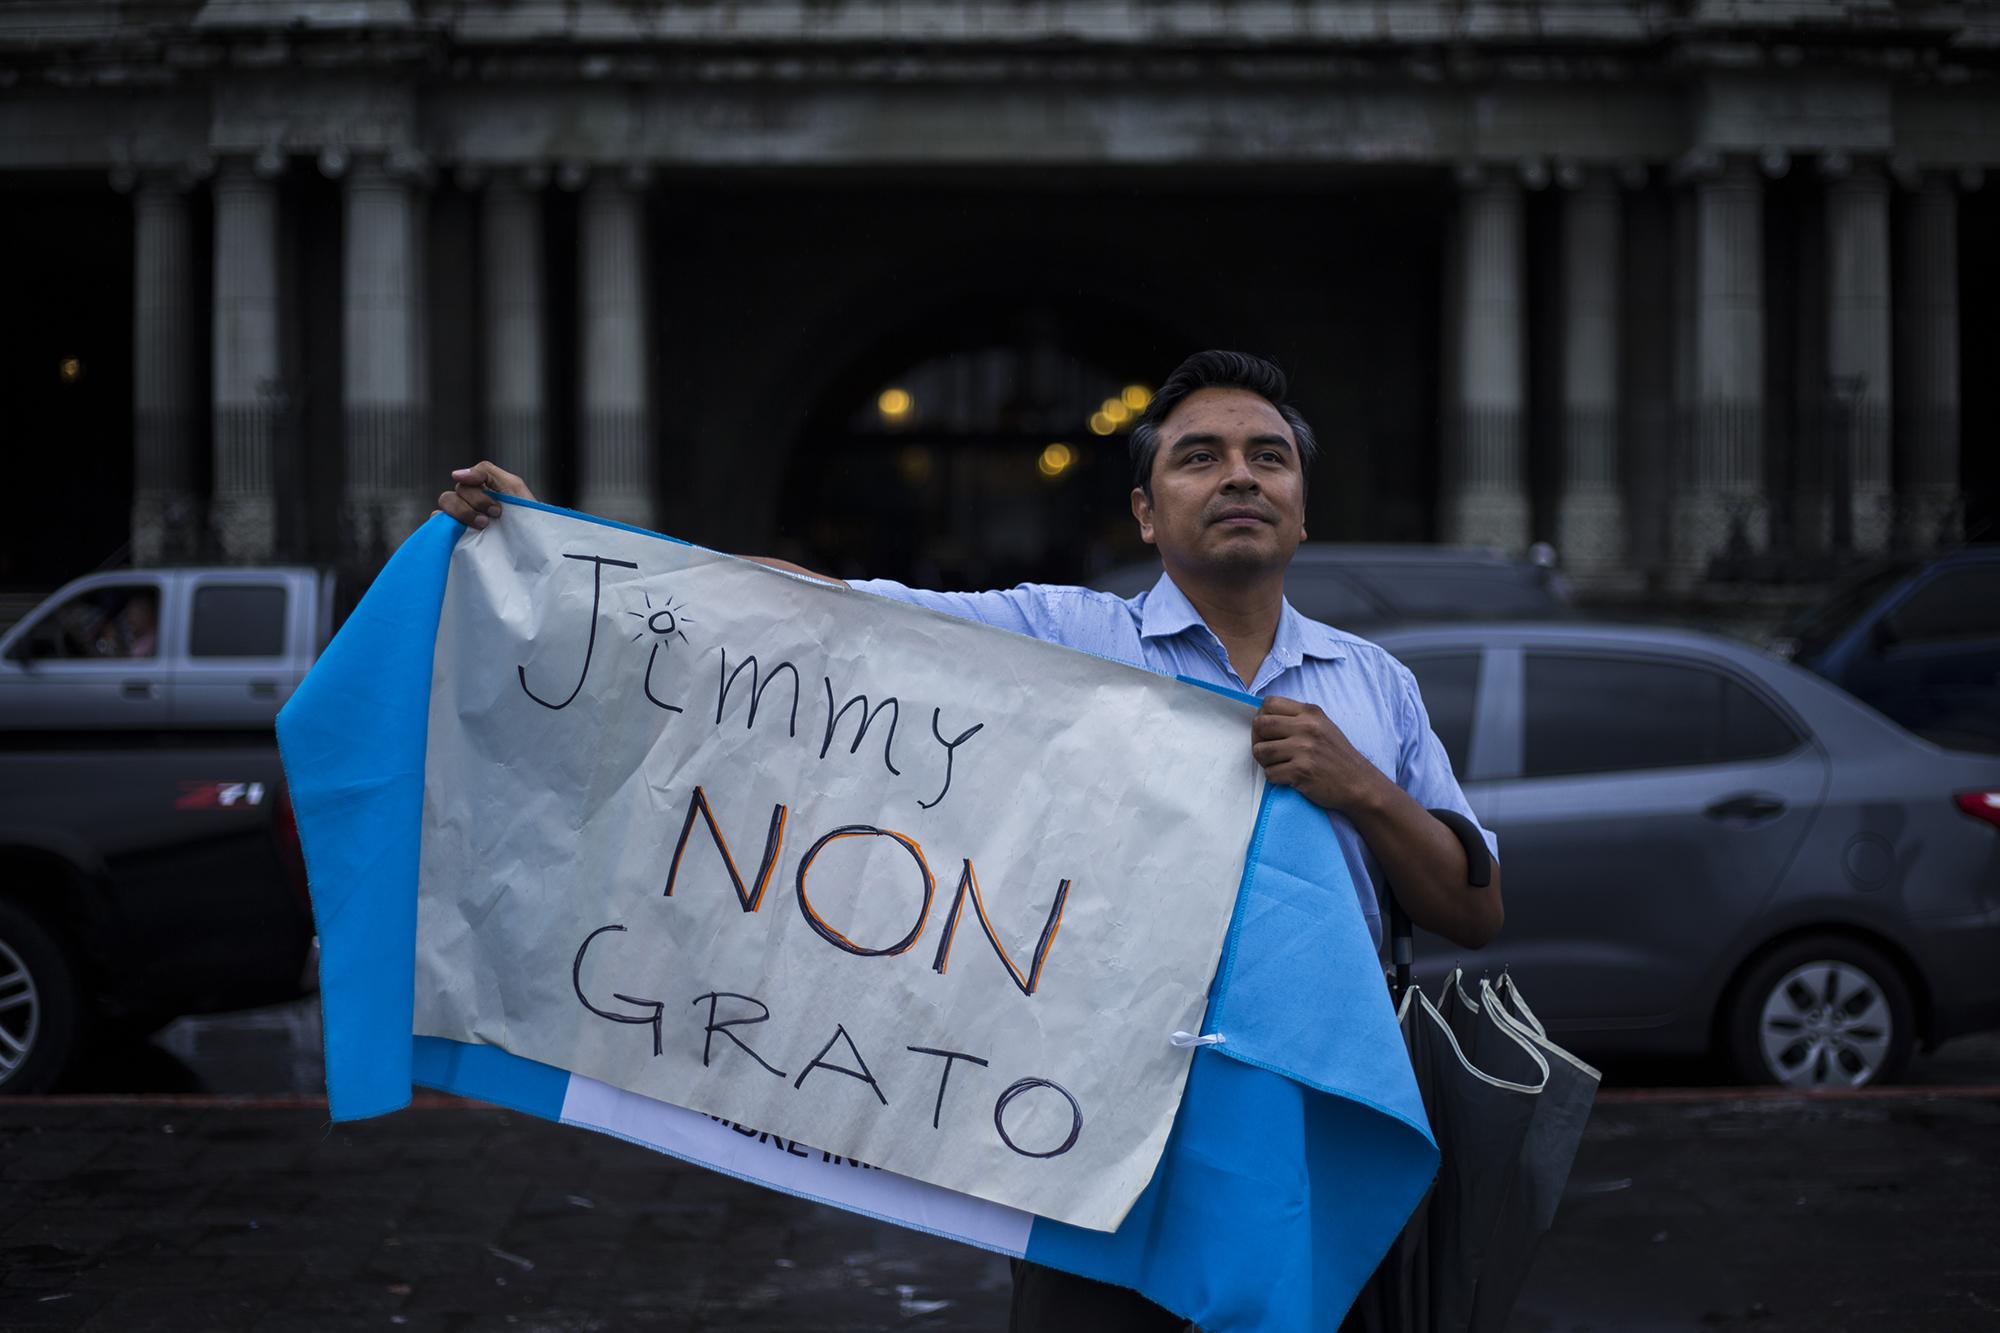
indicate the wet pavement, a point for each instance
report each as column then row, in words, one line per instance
column 146, row 1214
column 1701, row 1211
column 277, row 1050
column 154, row 1202
column 1686, row 1210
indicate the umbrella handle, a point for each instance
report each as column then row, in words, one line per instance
column 1478, row 874
column 1478, row 860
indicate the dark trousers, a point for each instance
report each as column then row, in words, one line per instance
column 1048, row 1300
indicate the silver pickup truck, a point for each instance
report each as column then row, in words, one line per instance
column 149, row 866
column 147, row 649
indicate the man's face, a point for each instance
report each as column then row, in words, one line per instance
column 1228, row 489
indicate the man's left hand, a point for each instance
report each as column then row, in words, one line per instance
column 1300, row 747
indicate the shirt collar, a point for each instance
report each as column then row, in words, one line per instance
column 1168, row 612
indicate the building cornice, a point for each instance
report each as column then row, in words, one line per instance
column 495, row 86
column 632, row 38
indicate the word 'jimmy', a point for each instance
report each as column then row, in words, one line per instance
column 666, row 627
column 748, row 1011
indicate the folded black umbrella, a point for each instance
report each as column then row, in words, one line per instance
column 1507, row 1107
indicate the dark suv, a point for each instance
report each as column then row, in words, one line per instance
column 1920, row 642
column 1358, row 587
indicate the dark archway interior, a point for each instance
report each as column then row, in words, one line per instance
column 992, row 474
column 66, row 379
column 810, row 301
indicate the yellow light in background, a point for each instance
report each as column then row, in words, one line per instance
column 1101, row 424
column 1136, row 396
column 895, row 404
column 1055, row 459
column 70, row 369
column 1115, row 409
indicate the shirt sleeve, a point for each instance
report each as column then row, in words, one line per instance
column 1018, row 609
column 1080, row 618
column 1424, row 770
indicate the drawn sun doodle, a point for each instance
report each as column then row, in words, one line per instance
column 664, row 624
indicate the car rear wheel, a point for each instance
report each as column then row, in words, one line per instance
column 38, row 1004
column 1822, row 1012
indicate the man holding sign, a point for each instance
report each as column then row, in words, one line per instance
column 1220, row 462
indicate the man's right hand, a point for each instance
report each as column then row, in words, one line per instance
column 467, row 500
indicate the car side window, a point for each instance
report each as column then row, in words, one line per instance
column 1751, row 728
column 1449, row 684
column 1958, row 604
column 238, row 620
column 114, row 621
column 1588, row 714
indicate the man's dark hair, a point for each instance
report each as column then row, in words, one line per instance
column 1215, row 370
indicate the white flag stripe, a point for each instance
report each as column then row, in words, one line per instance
column 793, row 1167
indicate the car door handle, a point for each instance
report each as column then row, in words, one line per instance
column 263, row 689
column 138, row 689
column 1748, row 808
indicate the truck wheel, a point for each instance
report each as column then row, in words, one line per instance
column 1822, row 1012
column 38, row 1004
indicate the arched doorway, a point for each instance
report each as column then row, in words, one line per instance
column 807, row 302
column 986, row 453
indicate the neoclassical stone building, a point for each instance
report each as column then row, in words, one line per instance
column 1687, row 289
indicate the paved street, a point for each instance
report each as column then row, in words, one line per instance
column 148, row 1215
column 277, row 1050
column 1697, row 1210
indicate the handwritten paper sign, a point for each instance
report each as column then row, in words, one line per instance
column 915, row 892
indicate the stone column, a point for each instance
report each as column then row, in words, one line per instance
column 247, row 383
column 1720, row 507
column 1648, row 381
column 166, row 508
column 615, row 473
column 1590, row 524
column 1927, row 423
column 1485, row 499
column 1857, row 350
column 515, row 326
column 423, row 458
column 382, row 393
column 1684, row 231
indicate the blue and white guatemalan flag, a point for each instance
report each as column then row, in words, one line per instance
column 1299, row 1148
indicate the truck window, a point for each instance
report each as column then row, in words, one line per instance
column 1959, row 605
column 1435, row 590
column 113, row 621
column 238, row 620
column 1324, row 595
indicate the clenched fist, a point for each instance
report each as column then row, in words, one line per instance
column 467, row 500
column 1300, row 747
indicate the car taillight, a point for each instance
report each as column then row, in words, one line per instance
column 1980, row 805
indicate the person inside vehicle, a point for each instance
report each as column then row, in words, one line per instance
column 1220, row 461
column 137, row 625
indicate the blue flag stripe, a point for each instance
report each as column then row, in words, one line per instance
column 1273, row 1199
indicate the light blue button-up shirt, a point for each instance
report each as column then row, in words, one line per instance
column 1367, row 693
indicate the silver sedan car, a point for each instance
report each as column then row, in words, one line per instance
column 1709, row 849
